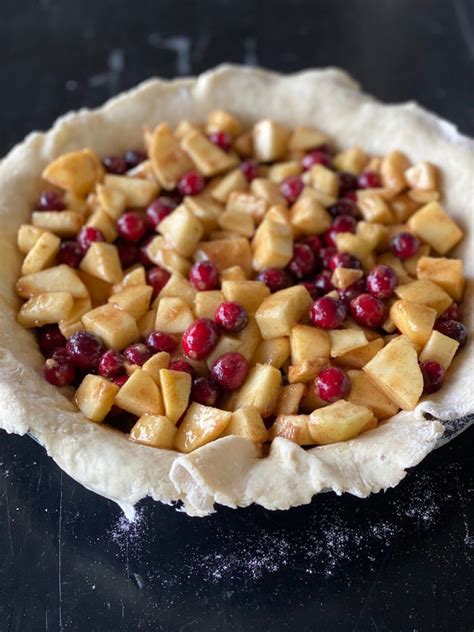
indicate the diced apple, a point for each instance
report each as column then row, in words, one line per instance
column 134, row 299
column 426, row 293
column 115, row 326
column 439, row 348
column 249, row 339
column 275, row 351
column 351, row 160
column 182, row 230
column 237, row 221
column 72, row 322
column 337, row 422
column 146, row 323
column 292, row 427
column 357, row 358
column 163, row 255
column 226, row 344
column 375, row 235
column 247, row 422
column 272, row 245
column 179, row 287
column 422, row 176
column 111, row 201
column 415, row 321
column 280, row 312
column 289, row 399
column 325, row 180
column 280, row 214
column 154, row 365
column 42, row 254
column 403, row 207
column 344, row 340
column 184, row 127
column 222, row 121
column 233, row 181
column 168, row 160
column 62, row 223
column 77, row 171
column 306, row 370
column 270, row 140
column 200, row 425
column 156, row 431
column 206, row 303
column 250, row 294
column 175, row 389
column 247, row 203
column 226, row 253
column 411, row 264
column 267, row 191
column 99, row 219
column 173, row 315
column 260, row 389
column 102, row 261
column 311, row 401
column 140, row 395
column 243, row 145
column 323, row 198
column 309, row 217
column 423, row 197
column 281, row 170
column 98, row 290
column 44, row 309
column 393, row 169
column 132, row 277
column 205, row 209
column 374, row 208
column 95, row 397
column 60, row 278
column 342, row 277
column 308, row 343
column 433, row 225
column 354, row 244
column 303, row 138
column 365, row 393
column 27, row 237
column 234, row 273
column 447, row 273
column 208, row 158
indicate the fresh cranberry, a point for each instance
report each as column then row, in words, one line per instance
column 115, row 164
column 367, row 310
column 323, row 283
column 433, row 376
column 314, row 242
column 127, row 252
column 325, row 255
column 230, row 370
column 291, row 188
column 120, row 380
column 85, row 350
column 159, row 341
column 344, row 260
column 404, row 245
column 204, row 276
column 50, row 339
column 50, row 201
column 344, row 206
column 328, row 313
column 159, row 209
column 183, row 366
column 200, row 338
column 250, row 169
column 341, row 224
column 368, row 180
column 133, row 157
column 191, row 183
column 143, row 251
column 316, row 157
column 137, row 353
column 303, row 262
column 223, row 140
column 347, row 182
column 332, row 384
column 204, row 392
column 231, row 317
column 157, row 277
column 311, row 289
column 452, row 313
column 351, row 196
column 87, row 235
column 111, row 364
column 347, row 294
column 275, row 279
column 69, row 253
column 453, row 329
column 382, row 281
column 131, row 226
column 59, row 370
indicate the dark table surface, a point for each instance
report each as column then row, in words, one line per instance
column 401, row 560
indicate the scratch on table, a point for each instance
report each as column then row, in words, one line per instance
column 180, row 44
column 465, row 26
column 9, row 524
column 371, row 590
column 111, row 78
column 60, row 524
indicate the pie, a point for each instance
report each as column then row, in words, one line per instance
column 242, row 288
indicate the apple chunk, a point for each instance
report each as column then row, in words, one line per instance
column 365, row 393
column 434, row 226
column 77, row 171
column 114, row 325
column 44, row 309
column 414, row 320
column 439, row 348
column 292, row 427
column 60, row 278
column 175, row 388
column 140, row 395
column 156, row 431
column 247, row 422
column 260, row 389
column 447, row 273
column 95, row 397
column 201, row 425
column 278, row 313
column 340, row 421
column 426, row 293
column 42, row 254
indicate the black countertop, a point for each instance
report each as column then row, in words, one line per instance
column 401, row 560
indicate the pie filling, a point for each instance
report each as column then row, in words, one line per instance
column 255, row 282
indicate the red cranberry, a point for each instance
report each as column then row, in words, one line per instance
column 433, row 376
column 369, row 180
column 127, row 252
column 291, row 188
column 303, row 262
column 158, row 341
column 332, row 384
column 382, row 281
column 59, row 370
column 191, row 183
column 323, row 283
column 453, row 329
column 182, row 365
column 85, row 350
column 452, row 313
column 250, row 169
column 347, row 294
column 230, row 370
column 204, row 276
column 347, row 182
column 200, row 338
column 133, row 157
column 311, row 289
column 328, row 313
column 137, row 353
column 319, row 156
column 159, row 209
column 204, row 392
column 50, row 339
column 367, row 310
column 111, row 364
column 115, row 164
column 325, row 255
column 120, row 380
column 50, row 201
column 223, row 140
column 344, row 260
column 275, row 279
column 157, row 277
column 87, row 235
column 314, row 242
column 341, row 224
column 69, row 253
column 231, row 317
column 351, row 196
column 143, row 252
column 344, row 206
column 404, row 245
column 131, row 226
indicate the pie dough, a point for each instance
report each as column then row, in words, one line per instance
column 228, row 471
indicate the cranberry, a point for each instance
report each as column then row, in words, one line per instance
column 50, row 339
column 368, row 180
column 381, row 281
column 69, row 253
column 200, row 338
column 323, row 283
column 250, row 169
column 351, row 196
column 303, row 262
column 332, row 384
column 319, row 156
column 404, row 245
column 341, row 224
column 131, row 226
column 85, row 350
column 453, row 329
column 231, row 317
column 127, row 252
column 114, row 164
column 204, row 392
column 50, row 201
column 111, row 364
column 230, row 370
column 347, row 294
column 182, row 365
column 157, row 277
column 344, row 206
column 120, row 380
column 137, row 353
column 311, row 288
column 344, row 260
column 59, row 370
column 347, row 182
column 191, row 183
column 143, row 252
column 223, row 140
column 325, row 255
column 159, row 341
column 367, row 310
column 159, row 209
column 291, row 188
column 133, row 157
column 314, row 242
column 328, row 313
column 433, row 376
column 275, row 279
column 86, row 236
column 204, row 276
column 452, row 313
